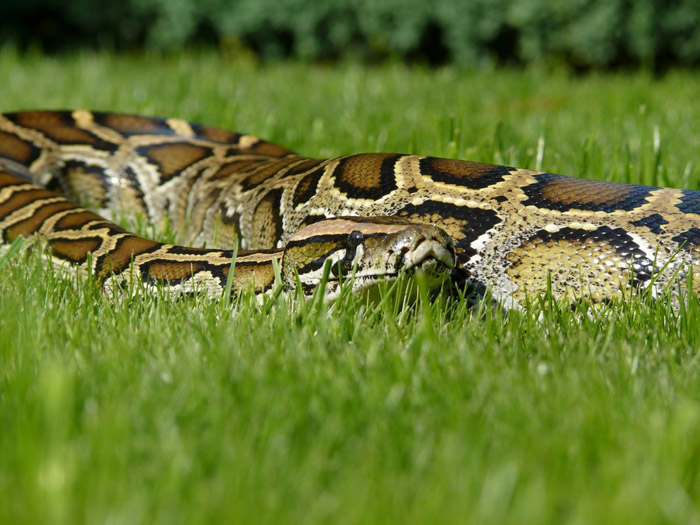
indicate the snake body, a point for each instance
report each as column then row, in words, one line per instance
column 516, row 231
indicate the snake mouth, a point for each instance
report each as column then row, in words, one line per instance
column 427, row 255
column 428, row 261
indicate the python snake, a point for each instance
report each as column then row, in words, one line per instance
column 516, row 231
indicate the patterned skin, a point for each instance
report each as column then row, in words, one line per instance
column 517, row 231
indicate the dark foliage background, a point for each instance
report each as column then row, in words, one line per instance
column 581, row 33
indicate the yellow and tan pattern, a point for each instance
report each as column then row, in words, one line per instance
column 516, row 231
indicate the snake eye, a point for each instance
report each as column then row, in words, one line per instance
column 355, row 239
column 344, row 266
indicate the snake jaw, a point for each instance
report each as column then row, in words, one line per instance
column 429, row 252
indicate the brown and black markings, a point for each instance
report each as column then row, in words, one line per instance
column 368, row 177
column 59, row 127
column 473, row 175
column 561, row 193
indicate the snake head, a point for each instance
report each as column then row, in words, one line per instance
column 366, row 251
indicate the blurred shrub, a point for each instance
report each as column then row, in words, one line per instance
column 583, row 33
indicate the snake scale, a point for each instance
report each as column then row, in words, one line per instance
column 516, row 231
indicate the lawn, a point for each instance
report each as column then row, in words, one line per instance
column 152, row 411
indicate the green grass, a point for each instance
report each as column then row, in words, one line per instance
column 151, row 411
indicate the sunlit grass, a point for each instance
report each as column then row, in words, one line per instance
column 153, row 411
